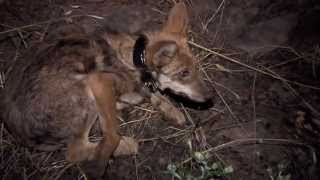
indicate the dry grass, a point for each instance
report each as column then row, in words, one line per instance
column 27, row 164
column 2, row 79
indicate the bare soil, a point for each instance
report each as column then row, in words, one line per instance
column 261, row 57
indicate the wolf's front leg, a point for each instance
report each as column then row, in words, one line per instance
column 128, row 99
column 166, row 108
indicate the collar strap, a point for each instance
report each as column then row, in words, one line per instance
column 139, row 52
column 139, row 61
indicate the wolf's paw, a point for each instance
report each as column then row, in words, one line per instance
column 128, row 99
column 127, row 146
column 168, row 110
column 177, row 116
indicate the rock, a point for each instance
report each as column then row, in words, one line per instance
column 266, row 35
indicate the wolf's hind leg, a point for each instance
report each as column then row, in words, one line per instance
column 93, row 156
column 80, row 148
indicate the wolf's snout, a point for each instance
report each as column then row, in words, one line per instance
column 205, row 93
column 201, row 97
column 207, row 98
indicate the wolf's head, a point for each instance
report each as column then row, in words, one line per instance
column 163, row 52
column 168, row 55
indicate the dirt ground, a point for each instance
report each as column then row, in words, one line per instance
column 261, row 57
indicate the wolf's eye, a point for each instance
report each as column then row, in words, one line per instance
column 184, row 73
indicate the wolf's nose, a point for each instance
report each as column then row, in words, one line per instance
column 209, row 103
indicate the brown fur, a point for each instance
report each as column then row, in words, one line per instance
column 55, row 94
column 174, row 34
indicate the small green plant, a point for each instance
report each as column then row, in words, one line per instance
column 204, row 171
column 279, row 175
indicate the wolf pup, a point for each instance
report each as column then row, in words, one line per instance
column 56, row 93
column 162, row 61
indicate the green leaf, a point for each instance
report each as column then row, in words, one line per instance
column 171, row 167
column 214, row 166
column 198, row 156
column 228, row 170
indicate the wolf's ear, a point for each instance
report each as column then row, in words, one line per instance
column 177, row 22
